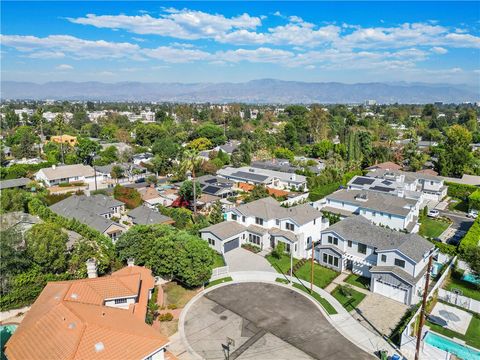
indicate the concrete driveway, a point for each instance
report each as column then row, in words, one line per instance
column 240, row 259
column 265, row 321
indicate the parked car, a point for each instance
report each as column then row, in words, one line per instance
column 433, row 213
column 473, row 213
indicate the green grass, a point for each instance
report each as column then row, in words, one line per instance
column 458, row 205
column 325, row 304
column 177, row 294
column 283, row 263
column 322, row 276
column 432, row 228
column 471, row 336
column 358, row 281
column 282, row 280
column 218, row 261
column 468, row 289
column 351, row 302
column 219, row 281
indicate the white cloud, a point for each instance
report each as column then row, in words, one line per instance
column 64, row 67
column 439, row 50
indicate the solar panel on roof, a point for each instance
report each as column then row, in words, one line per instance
column 363, row 181
column 386, row 182
column 211, row 189
column 211, row 181
column 250, row 176
column 381, row 188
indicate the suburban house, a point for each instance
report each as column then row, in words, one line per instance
column 94, row 318
column 388, row 165
column 131, row 172
column 432, row 187
column 143, row 215
column 20, row 183
column 216, row 186
column 270, row 178
column 55, row 175
column 265, row 223
column 380, row 208
column 96, row 211
column 284, row 165
column 64, row 139
column 394, row 261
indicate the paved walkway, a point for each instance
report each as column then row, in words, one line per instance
column 339, row 280
column 240, row 259
column 343, row 322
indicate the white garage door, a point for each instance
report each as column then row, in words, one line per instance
column 390, row 291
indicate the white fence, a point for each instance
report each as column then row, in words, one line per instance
column 459, row 300
column 219, row 272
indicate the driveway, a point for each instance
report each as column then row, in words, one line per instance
column 460, row 225
column 379, row 313
column 265, row 321
column 240, row 259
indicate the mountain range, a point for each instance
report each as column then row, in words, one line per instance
column 255, row 91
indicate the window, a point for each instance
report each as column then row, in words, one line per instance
column 330, row 239
column 234, row 217
column 287, row 248
column 335, row 261
column 120, row 301
column 277, row 222
column 400, row 263
column 374, row 213
column 330, row 260
column 335, row 241
column 383, row 258
column 314, row 221
column 349, row 243
column 362, row 248
column 255, row 239
column 325, row 258
column 211, row 241
column 290, row 227
column 243, row 218
column 389, row 216
column 309, row 240
column 259, row 221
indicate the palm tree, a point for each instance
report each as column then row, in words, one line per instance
column 60, row 125
column 189, row 163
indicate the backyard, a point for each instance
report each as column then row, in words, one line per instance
column 348, row 297
column 471, row 336
column 432, row 228
column 468, row 289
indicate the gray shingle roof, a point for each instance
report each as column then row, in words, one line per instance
column 143, row 215
column 225, row 229
column 14, row 183
column 375, row 201
column 398, row 272
column 67, row 171
column 357, row 228
column 286, row 234
column 269, row 208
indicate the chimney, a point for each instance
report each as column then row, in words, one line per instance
column 54, row 167
column 130, row 261
column 92, row 268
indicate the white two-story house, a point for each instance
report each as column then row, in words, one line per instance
column 395, row 262
column 265, row 223
column 381, row 208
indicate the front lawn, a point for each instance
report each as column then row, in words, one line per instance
column 432, row 228
column 471, row 336
column 283, row 263
column 358, row 281
column 322, row 276
column 219, row 281
column 468, row 289
column 348, row 302
column 325, row 304
column 219, row 262
column 175, row 294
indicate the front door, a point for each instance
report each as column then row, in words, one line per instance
column 349, row 264
column 272, row 242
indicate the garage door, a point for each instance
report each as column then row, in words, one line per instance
column 390, row 291
column 232, row 244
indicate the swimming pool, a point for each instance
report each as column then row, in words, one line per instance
column 445, row 344
column 471, row 278
column 5, row 332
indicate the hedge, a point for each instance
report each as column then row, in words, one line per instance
column 474, row 200
column 460, row 191
column 471, row 239
column 21, row 170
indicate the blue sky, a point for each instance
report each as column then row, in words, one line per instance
column 347, row 42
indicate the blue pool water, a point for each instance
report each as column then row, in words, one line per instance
column 452, row 347
column 436, row 267
column 5, row 332
column 471, row 278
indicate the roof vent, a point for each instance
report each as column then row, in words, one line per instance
column 72, row 326
column 99, row 347
column 74, row 296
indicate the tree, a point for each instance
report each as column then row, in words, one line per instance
column 189, row 164
column 166, row 148
column 284, row 153
column 455, row 154
column 242, row 154
column 200, row 144
column 86, row 149
column 117, row 172
column 318, row 123
column 47, row 247
column 14, row 200
column 216, row 213
column 212, row 132
column 473, row 260
column 258, row 192
column 278, row 250
column 187, row 192
column 23, row 141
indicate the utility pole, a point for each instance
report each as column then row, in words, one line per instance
column 311, row 270
column 422, row 312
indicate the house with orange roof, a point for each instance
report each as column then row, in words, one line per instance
column 93, row 318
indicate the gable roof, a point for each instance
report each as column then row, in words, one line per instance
column 388, row 165
column 59, row 327
column 14, row 183
column 357, row 228
column 225, row 229
column 67, row 171
column 143, row 215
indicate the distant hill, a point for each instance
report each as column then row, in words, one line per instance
column 256, row 91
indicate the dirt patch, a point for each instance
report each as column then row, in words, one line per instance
column 175, row 294
column 167, row 328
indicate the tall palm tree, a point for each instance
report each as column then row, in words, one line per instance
column 60, row 125
column 189, row 163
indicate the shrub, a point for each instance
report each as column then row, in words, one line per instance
column 474, row 200
column 172, row 306
column 166, row 317
column 460, row 191
column 345, row 290
column 278, row 250
column 471, row 239
column 253, row 248
column 131, row 197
